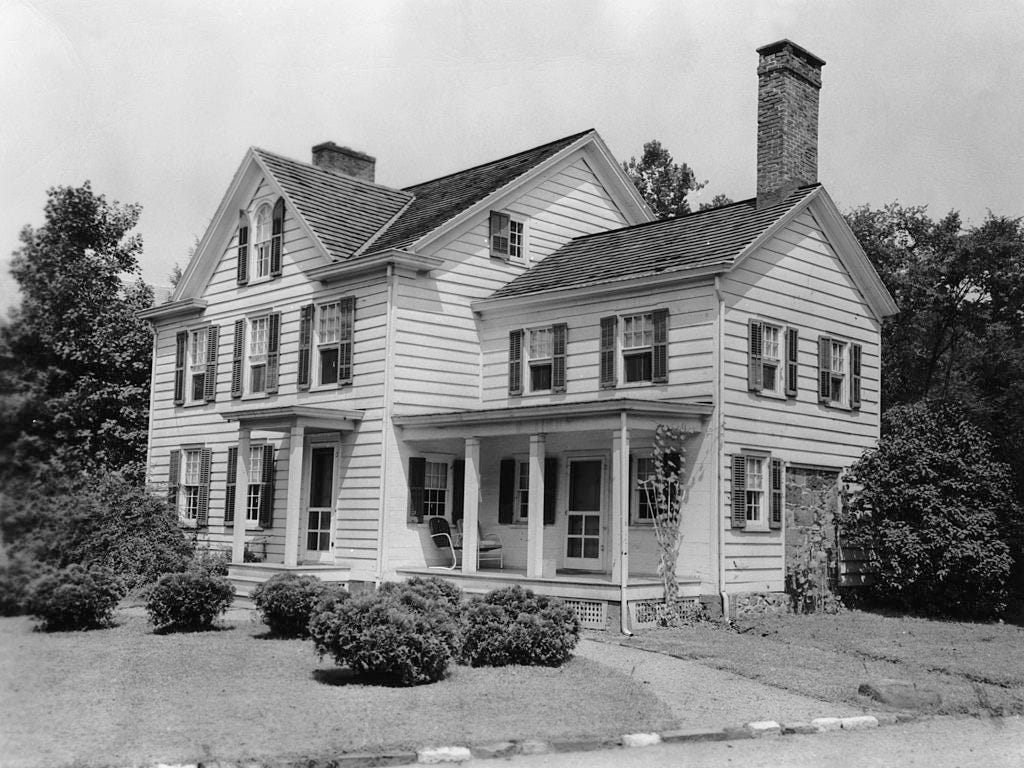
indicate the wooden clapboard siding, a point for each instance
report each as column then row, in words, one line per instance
column 795, row 279
column 690, row 345
column 437, row 342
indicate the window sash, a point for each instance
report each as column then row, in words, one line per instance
column 197, row 350
column 755, row 488
column 515, row 239
column 644, row 488
column 770, row 343
column 838, row 357
column 638, row 366
column 330, row 323
column 435, row 489
column 637, row 331
column 523, row 489
column 259, row 336
column 542, row 344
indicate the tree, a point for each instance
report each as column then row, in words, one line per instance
column 76, row 396
column 716, row 202
column 936, row 510
column 662, row 183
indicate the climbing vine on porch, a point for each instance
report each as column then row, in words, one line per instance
column 664, row 494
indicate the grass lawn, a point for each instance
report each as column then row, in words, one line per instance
column 978, row 668
column 124, row 696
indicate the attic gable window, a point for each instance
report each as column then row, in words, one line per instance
column 259, row 252
column 507, row 237
column 261, row 245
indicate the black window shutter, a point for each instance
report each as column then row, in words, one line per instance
column 210, row 382
column 347, row 341
column 305, row 344
column 180, row 344
column 755, row 355
column 229, row 491
column 792, row 357
column 499, row 235
column 417, row 480
column 458, row 489
column 273, row 351
column 506, row 490
column 560, row 339
column 550, row 489
column 824, row 369
column 203, row 507
column 855, row 355
column 515, row 362
column 739, row 491
column 659, row 366
column 276, row 237
column 775, row 519
column 237, row 350
column 609, row 327
column 173, row 476
column 242, row 268
column 267, row 498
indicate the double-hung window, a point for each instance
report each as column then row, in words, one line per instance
column 772, row 358
column 435, row 489
column 259, row 252
column 262, row 243
column 839, row 373
column 542, row 353
column 757, row 491
column 197, row 346
column 256, row 491
column 522, row 490
column 188, row 486
column 259, row 335
column 254, row 366
column 326, row 333
column 195, row 365
column 507, row 237
column 634, row 348
column 643, row 490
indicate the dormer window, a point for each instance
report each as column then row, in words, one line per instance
column 507, row 237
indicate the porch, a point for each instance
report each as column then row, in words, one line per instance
column 245, row 577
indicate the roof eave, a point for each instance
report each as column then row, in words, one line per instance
column 342, row 270
column 173, row 309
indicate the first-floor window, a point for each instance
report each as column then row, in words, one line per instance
column 435, row 489
column 523, row 489
column 190, row 481
column 643, row 490
column 259, row 335
column 757, row 491
column 254, row 493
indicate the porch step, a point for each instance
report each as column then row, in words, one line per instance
column 245, row 577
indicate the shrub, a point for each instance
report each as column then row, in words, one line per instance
column 188, row 601
column 402, row 634
column 287, row 601
column 211, row 561
column 935, row 509
column 514, row 626
column 107, row 522
column 15, row 576
column 74, row 598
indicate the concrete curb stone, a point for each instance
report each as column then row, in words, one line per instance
column 693, row 734
column 634, row 740
column 435, row 755
column 584, row 745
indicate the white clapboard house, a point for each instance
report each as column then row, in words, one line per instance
column 341, row 362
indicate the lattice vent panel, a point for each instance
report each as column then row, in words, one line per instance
column 643, row 612
column 593, row 614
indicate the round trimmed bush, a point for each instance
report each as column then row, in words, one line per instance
column 15, row 576
column 403, row 634
column 515, row 626
column 188, row 601
column 287, row 601
column 75, row 598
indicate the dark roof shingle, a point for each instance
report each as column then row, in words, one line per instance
column 704, row 239
column 344, row 212
column 440, row 200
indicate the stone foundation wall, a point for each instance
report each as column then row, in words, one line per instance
column 754, row 605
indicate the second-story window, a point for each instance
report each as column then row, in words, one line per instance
column 259, row 331
column 541, row 347
column 637, row 347
column 634, row 348
column 771, row 358
column 197, row 362
column 839, row 372
column 539, row 354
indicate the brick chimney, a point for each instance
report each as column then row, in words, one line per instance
column 788, row 81
column 343, row 160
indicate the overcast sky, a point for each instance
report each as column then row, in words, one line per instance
column 156, row 102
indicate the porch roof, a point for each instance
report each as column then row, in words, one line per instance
column 558, row 417
column 284, row 418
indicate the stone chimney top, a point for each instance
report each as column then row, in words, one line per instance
column 345, row 161
column 788, row 82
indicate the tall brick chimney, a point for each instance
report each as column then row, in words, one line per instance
column 788, row 81
column 344, row 160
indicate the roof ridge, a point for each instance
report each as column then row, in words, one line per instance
column 329, row 174
column 570, row 138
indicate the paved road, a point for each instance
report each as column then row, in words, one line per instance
column 937, row 743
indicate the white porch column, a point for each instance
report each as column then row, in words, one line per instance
column 293, row 500
column 535, row 520
column 241, row 495
column 620, row 503
column 471, row 506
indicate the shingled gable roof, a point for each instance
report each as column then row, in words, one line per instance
column 344, row 212
column 440, row 200
column 704, row 240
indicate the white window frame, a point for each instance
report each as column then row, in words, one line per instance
column 516, row 239
column 529, row 361
column 636, row 350
column 189, row 485
column 773, row 362
column 839, row 379
column 521, row 491
column 254, row 485
column 256, row 360
column 262, row 238
column 323, row 343
column 638, row 494
column 757, row 501
column 444, row 503
column 195, row 364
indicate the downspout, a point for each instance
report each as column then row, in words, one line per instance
column 152, row 402
column 385, row 422
column 719, row 432
column 623, row 522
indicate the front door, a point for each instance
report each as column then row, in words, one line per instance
column 583, row 547
column 320, row 506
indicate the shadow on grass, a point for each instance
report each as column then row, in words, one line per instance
column 176, row 630
column 271, row 635
column 342, row 676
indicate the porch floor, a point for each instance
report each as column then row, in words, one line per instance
column 565, row 584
